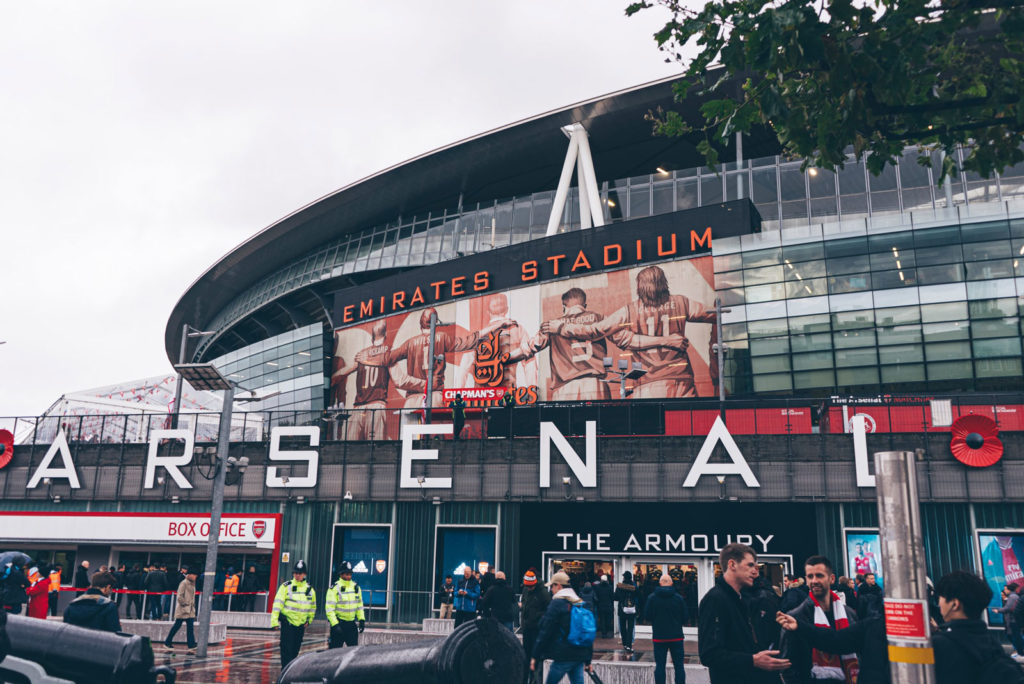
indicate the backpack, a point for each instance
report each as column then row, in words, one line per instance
column 582, row 625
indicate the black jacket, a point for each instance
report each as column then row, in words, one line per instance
column 156, row 581
column 93, row 610
column 627, row 595
column 587, row 594
column 961, row 647
column 81, row 577
column 250, row 582
column 499, row 602
column 726, row 641
column 12, row 589
column 604, row 596
column 133, row 580
column 798, row 650
column 446, row 594
column 553, row 639
column 792, row 598
column 762, row 605
column 867, row 596
column 866, row 637
column 535, row 602
column 666, row 611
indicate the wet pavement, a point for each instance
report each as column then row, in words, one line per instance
column 252, row 656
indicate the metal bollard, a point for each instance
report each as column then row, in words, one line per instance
column 477, row 652
column 84, row 656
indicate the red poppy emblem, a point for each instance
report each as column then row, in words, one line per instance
column 975, row 441
column 6, row 447
column 258, row 528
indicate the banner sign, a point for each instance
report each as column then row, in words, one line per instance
column 259, row 531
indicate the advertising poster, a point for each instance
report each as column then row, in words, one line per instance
column 863, row 555
column 462, row 547
column 1001, row 555
column 366, row 549
column 548, row 342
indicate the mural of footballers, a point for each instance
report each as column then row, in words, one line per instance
column 577, row 365
column 655, row 311
column 492, row 313
column 372, row 382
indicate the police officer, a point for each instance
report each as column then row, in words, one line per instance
column 345, row 610
column 294, row 607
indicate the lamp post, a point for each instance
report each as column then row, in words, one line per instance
column 205, row 376
column 429, row 401
column 187, row 331
column 625, row 372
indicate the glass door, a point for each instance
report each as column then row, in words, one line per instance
column 686, row 581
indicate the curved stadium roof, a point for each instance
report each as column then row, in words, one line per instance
column 517, row 159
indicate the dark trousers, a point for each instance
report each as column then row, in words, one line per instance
column 459, row 424
column 245, row 603
column 345, row 633
column 529, row 640
column 291, row 641
column 627, row 627
column 190, row 632
column 661, row 651
column 605, row 625
column 13, row 609
column 1016, row 638
column 53, row 597
column 463, row 616
column 134, row 600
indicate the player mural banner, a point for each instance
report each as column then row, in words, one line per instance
column 863, row 554
column 1001, row 555
column 544, row 342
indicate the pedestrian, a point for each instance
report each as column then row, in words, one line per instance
column 604, row 597
column 344, row 608
column 155, row 585
column 725, row 634
column 458, row 407
column 231, row 581
column 626, row 597
column 185, row 612
column 535, row 600
column 133, row 583
column 165, row 598
column 54, row 594
column 870, row 593
column 508, row 402
column 1018, row 612
column 294, row 608
column 248, row 589
column 823, row 609
column 866, row 637
column 446, row 596
column 569, row 649
column 81, row 580
column 794, row 595
column 500, row 602
column 467, row 592
column 37, row 600
column 94, row 609
column 1010, row 600
column 119, row 575
column 13, row 586
column 847, row 593
column 587, row 594
column 964, row 649
column 667, row 613
column 220, row 599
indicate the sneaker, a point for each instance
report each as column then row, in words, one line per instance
column 191, row 651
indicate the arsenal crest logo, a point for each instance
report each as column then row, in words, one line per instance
column 381, row 565
column 258, row 528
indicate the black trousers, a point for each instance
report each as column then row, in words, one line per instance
column 605, row 625
column 190, row 632
column 529, row 640
column 53, row 597
column 345, row 633
column 134, row 600
column 464, row 616
column 291, row 641
column 459, row 424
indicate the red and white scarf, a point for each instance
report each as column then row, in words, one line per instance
column 828, row 665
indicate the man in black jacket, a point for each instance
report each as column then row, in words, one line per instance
column 94, row 609
column 964, row 649
column 82, row 577
column 667, row 613
column 822, row 609
column 133, row 583
column 869, row 595
column 247, row 589
column 604, row 598
column 534, row 602
column 726, row 640
column 795, row 594
column 867, row 637
column 12, row 589
column 627, row 596
column 155, row 585
column 500, row 602
column 553, row 640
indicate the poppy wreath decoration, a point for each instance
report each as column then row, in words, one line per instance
column 975, row 441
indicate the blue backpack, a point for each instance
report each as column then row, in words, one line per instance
column 582, row 625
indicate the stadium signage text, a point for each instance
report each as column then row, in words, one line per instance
column 660, row 543
column 585, row 469
column 669, row 236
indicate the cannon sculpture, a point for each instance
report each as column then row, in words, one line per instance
column 478, row 652
column 83, row 656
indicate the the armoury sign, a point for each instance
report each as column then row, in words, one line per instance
column 58, row 463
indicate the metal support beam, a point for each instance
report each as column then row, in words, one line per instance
column 579, row 155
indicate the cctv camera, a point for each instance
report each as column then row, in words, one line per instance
column 348, row 495
column 566, row 481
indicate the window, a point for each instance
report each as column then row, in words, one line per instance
column 812, row 360
column 900, row 354
column 950, row 311
column 461, row 547
column 806, row 252
column 1005, row 346
column 367, row 550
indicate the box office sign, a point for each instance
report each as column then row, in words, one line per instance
column 259, row 531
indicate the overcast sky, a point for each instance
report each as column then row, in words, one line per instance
column 139, row 142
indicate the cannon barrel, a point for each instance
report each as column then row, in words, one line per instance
column 478, row 652
column 85, row 656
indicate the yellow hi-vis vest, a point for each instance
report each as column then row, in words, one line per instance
column 295, row 602
column 344, row 602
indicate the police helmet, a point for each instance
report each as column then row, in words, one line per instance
column 299, row 567
column 345, row 568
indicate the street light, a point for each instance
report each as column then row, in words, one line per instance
column 187, row 331
column 205, row 376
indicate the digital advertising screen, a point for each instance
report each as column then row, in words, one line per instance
column 462, row 547
column 863, row 555
column 1001, row 555
column 366, row 549
column 546, row 341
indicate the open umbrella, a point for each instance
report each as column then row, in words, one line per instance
column 975, row 441
column 15, row 557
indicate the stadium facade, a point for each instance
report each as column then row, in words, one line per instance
column 858, row 314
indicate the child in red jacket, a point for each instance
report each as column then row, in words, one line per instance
column 38, row 601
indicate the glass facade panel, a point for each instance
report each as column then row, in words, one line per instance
column 900, row 354
column 952, row 330
column 849, row 377
column 809, row 379
column 913, row 372
column 947, row 351
column 949, row 311
column 1005, row 346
